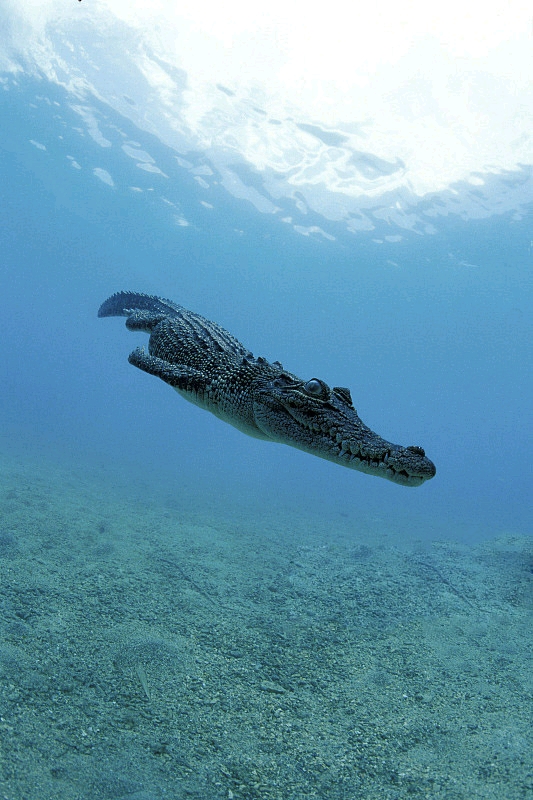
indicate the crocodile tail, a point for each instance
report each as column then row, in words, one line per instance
column 123, row 304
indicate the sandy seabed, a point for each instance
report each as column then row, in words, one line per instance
column 156, row 649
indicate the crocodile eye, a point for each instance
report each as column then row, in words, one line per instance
column 314, row 387
column 419, row 451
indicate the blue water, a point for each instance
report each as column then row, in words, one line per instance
column 436, row 346
column 190, row 612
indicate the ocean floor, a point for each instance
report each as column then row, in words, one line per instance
column 153, row 649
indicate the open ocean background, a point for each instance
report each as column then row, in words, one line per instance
column 189, row 612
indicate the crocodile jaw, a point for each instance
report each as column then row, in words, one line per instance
column 331, row 429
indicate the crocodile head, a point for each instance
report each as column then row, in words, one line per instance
column 322, row 421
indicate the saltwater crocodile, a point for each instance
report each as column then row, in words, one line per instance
column 209, row 367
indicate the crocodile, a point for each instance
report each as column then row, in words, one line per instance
column 209, row 367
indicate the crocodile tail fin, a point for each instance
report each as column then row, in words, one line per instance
column 124, row 304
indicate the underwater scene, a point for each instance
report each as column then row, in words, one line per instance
column 286, row 552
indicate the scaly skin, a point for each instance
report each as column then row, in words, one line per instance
column 212, row 369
